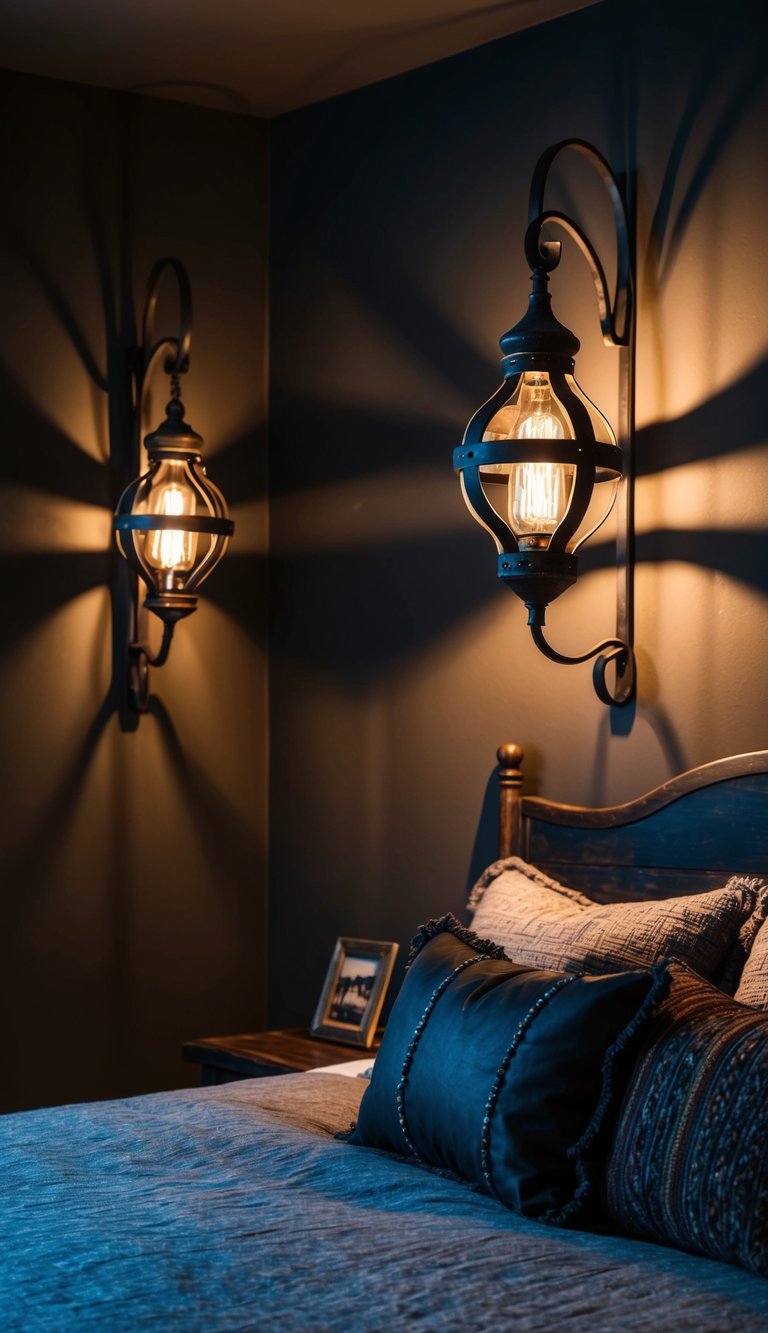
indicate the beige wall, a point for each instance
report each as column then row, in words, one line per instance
column 133, row 865
column 398, row 664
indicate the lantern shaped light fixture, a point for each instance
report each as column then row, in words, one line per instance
column 171, row 523
column 540, row 465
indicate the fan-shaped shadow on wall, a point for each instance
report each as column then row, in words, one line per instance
column 359, row 439
column 31, row 860
column 740, row 553
column 398, row 597
column 239, row 467
column 43, row 581
column 39, row 584
column 227, row 837
column 17, row 243
column 732, row 419
column 239, row 587
column 32, row 863
column 42, row 456
column 736, row 100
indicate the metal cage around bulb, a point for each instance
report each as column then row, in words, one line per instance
column 171, row 523
column 539, row 463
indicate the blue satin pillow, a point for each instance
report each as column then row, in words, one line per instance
column 502, row 1074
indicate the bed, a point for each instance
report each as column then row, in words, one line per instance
column 238, row 1207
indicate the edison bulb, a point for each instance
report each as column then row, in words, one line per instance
column 539, row 492
column 170, row 549
column 536, row 419
column 538, row 500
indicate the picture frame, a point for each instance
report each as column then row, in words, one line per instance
column 354, row 990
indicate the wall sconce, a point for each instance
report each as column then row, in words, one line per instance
column 540, row 466
column 171, row 523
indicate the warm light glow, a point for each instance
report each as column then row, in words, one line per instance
column 538, row 498
column 369, row 510
column 168, row 549
column 536, row 420
column 39, row 521
column 538, row 493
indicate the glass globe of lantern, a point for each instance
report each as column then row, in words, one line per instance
column 171, row 523
column 538, row 491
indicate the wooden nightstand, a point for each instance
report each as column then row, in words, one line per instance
column 264, row 1054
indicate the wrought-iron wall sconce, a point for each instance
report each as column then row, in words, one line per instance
column 540, row 466
column 171, row 523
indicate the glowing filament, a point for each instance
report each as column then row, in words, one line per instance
column 538, row 492
column 538, row 496
column 169, row 549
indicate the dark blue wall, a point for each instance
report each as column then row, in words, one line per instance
column 397, row 665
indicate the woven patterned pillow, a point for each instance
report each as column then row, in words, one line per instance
column 544, row 924
column 689, row 1160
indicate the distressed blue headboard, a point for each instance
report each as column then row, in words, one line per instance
column 682, row 837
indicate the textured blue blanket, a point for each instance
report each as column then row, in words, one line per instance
column 234, row 1208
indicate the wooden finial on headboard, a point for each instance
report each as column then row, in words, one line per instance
column 510, row 757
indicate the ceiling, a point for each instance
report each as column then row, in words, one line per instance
column 259, row 57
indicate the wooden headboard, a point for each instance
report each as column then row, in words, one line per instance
column 682, row 837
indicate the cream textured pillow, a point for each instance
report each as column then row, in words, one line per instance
column 753, row 985
column 540, row 923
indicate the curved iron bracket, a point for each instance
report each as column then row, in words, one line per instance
column 615, row 315
column 614, row 651
column 617, row 322
column 140, row 659
column 177, row 359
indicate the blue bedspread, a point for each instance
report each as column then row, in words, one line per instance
column 234, row 1208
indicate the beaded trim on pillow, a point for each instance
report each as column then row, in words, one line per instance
column 522, row 1028
column 409, row 1054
